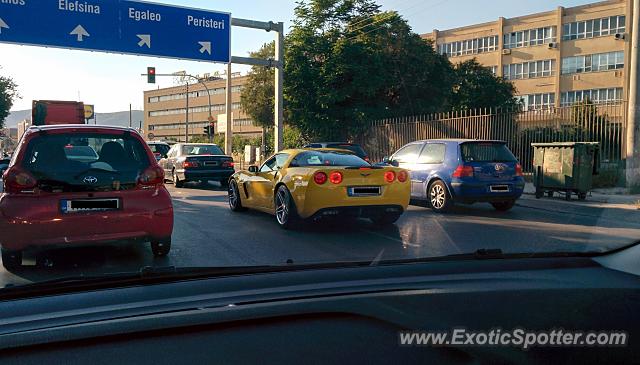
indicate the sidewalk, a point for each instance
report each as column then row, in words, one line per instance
column 617, row 196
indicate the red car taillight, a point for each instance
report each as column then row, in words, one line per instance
column 188, row 164
column 320, row 177
column 519, row 170
column 17, row 180
column 228, row 164
column 402, row 176
column 389, row 176
column 335, row 177
column 463, row 171
column 153, row 175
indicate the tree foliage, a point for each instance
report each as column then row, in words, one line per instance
column 346, row 63
column 477, row 87
column 8, row 93
column 257, row 97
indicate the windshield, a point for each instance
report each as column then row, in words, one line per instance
column 159, row 149
column 373, row 131
column 317, row 158
column 67, row 162
column 486, row 152
column 201, row 150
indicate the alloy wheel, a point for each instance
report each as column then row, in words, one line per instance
column 282, row 207
column 438, row 196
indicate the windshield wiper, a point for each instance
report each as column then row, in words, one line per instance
column 146, row 275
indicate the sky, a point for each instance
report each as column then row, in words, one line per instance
column 111, row 82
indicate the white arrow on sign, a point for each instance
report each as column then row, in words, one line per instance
column 3, row 25
column 80, row 32
column 206, row 47
column 145, row 39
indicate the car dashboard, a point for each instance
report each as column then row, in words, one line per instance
column 337, row 315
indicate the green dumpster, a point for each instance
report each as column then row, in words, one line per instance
column 565, row 167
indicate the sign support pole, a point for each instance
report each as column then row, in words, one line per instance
column 228, row 133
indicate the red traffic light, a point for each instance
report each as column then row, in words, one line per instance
column 152, row 71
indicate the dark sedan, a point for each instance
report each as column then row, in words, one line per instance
column 197, row 162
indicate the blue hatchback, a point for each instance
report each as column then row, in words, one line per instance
column 445, row 171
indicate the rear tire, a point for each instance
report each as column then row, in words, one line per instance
column 11, row 259
column 161, row 248
column 285, row 208
column 235, row 202
column 176, row 180
column 504, row 206
column 438, row 197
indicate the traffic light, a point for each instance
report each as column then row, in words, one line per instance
column 208, row 130
column 151, row 75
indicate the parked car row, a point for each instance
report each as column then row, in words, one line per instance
column 328, row 179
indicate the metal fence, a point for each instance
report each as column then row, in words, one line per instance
column 603, row 123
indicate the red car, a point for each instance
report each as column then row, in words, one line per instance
column 55, row 197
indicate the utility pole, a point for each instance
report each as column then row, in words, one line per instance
column 633, row 121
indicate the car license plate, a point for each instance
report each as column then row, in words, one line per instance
column 499, row 188
column 89, row 205
column 363, row 191
column 210, row 163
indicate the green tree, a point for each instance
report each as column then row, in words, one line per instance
column 8, row 93
column 257, row 96
column 347, row 63
column 477, row 87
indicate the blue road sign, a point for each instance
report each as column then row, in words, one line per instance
column 121, row 26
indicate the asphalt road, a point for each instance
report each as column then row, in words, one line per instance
column 207, row 233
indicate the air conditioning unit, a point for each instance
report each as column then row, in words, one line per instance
column 620, row 36
column 618, row 74
column 506, row 51
column 576, row 77
column 552, row 45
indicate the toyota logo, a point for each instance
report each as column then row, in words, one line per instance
column 90, row 180
column 500, row 167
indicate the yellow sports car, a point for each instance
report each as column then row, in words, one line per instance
column 309, row 184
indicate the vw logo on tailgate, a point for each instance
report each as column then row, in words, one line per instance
column 500, row 167
column 90, row 180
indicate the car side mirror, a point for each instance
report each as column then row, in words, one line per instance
column 388, row 161
column 253, row 169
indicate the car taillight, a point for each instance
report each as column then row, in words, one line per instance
column 227, row 164
column 320, row 177
column 389, row 176
column 519, row 170
column 153, row 175
column 402, row 176
column 17, row 180
column 463, row 171
column 188, row 164
column 335, row 177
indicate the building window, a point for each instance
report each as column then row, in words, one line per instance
column 596, row 96
column 529, row 70
column 195, row 94
column 538, row 101
column 530, row 37
column 594, row 28
column 592, row 63
column 469, row 46
column 493, row 69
